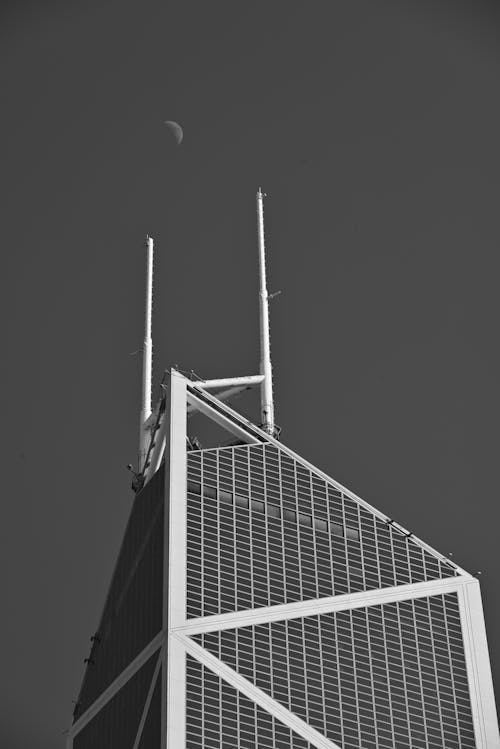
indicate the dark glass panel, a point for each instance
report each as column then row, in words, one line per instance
column 133, row 611
column 116, row 725
column 151, row 735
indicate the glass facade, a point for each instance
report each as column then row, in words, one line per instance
column 294, row 615
column 380, row 676
column 219, row 716
column 265, row 530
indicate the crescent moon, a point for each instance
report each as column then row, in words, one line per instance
column 176, row 130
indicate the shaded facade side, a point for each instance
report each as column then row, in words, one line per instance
column 132, row 613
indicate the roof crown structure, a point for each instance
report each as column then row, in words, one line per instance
column 258, row 602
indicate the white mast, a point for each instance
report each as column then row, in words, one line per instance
column 147, row 357
column 267, row 404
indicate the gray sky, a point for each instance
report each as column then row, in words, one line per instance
column 373, row 127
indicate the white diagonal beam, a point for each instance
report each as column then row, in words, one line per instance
column 147, row 704
column 224, row 421
column 317, row 606
column 256, row 695
column 116, row 685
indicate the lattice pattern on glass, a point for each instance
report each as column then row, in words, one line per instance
column 263, row 529
column 220, row 717
column 380, row 677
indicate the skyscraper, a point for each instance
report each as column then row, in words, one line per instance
column 256, row 602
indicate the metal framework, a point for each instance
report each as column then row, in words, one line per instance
column 293, row 612
column 150, row 422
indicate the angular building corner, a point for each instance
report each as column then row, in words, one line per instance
column 258, row 603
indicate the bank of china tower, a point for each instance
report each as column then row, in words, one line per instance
column 256, row 602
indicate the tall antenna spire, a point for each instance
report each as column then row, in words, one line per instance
column 147, row 356
column 267, row 404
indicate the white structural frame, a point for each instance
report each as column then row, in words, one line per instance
column 175, row 641
column 227, row 382
column 174, row 671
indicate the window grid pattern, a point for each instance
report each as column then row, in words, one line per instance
column 380, row 677
column 220, row 717
column 263, row 530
